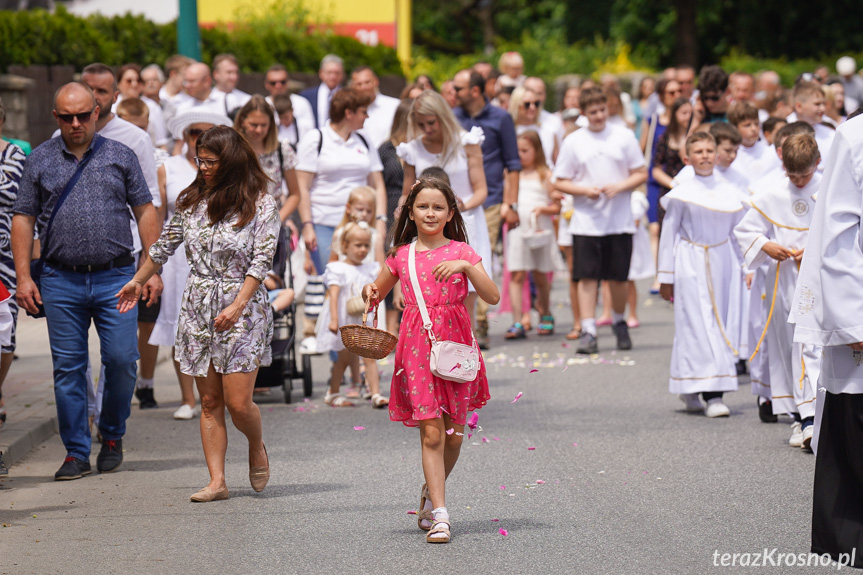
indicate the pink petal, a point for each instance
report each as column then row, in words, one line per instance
column 564, row 344
column 485, row 440
column 531, row 448
column 517, row 396
column 474, row 418
column 503, row 486
column 469, row 435
column 575, row 444
column 503, row 532
column 540, row 482
column 412, row 512
column 495, row 438
column 495, row 519
column 534, row 370
column 358, row 428
column 449, row 431
column 565, row 367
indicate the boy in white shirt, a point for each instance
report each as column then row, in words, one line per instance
column 599, row 167
column 727, row 144
column 777, row 227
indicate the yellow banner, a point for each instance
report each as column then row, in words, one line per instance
column 335, row 11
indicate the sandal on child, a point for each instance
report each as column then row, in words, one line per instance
column 353, row 392
column 439, row 526
column 574, row 334
column 546, row 325
column 515, row 332
column 379, row 400
column 424, row 514
column 336, row 400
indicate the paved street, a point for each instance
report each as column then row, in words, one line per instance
column 596, row 469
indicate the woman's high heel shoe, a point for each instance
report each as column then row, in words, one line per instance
column 259, row 476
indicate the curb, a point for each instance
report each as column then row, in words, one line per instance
column 19, row 438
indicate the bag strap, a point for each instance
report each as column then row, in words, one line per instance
column 97, row 143
column 418, row 292
column 421, row 303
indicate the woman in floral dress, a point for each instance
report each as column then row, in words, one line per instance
column 229, row 225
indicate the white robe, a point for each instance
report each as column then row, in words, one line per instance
column 698, row 255
column 781, row 213
column 833, row 264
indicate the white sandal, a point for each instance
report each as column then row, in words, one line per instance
column 379, row 400
column 337, row 400
column 439, row 526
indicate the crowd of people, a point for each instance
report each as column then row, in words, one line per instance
column 710, row 184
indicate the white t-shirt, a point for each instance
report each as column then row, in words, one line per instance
column 597, row 159
column 230, row 100
column 380, row 121
column 212, row 104
column 340, row 167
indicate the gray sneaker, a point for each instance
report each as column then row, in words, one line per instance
column 587, row 344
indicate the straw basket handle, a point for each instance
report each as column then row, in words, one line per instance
column 375, row 311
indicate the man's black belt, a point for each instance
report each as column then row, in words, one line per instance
column 87, row 268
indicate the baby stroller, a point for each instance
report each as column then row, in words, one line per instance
column 283, row 371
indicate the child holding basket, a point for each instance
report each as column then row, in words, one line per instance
column 430, row 237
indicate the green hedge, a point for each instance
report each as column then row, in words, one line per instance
column 37, row 37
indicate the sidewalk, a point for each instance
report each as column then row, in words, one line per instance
column 28, row 391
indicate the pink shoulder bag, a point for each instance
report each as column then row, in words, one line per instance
column 448, row 360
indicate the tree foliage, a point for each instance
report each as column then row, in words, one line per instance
column 771, row 29
column 60, row 38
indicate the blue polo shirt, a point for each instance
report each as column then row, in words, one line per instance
column 499, row 150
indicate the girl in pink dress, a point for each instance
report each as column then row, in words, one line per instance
column 438, row 407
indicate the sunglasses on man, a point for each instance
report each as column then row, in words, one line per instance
column 70, row 118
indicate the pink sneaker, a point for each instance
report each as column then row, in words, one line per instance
column 603, row 322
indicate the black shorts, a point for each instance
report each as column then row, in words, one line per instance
column 148, row 314
column 601, row 257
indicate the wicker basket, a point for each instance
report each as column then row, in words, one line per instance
column 368, row 341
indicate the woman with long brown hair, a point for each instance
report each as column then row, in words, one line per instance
column 229, row 225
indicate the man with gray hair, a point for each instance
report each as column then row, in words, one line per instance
column 331, row 73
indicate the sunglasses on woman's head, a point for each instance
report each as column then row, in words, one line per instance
column 82, row 117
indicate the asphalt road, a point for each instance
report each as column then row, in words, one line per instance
column 595, row 469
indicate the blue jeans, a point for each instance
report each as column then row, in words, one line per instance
column 321, row 256
column 71, row 300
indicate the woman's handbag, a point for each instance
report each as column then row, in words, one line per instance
column 447, row 359
column 535, row 238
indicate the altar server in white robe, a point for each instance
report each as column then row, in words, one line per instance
column 759, row 364
column 699, row 267
column 777, row 228
column 828, row 312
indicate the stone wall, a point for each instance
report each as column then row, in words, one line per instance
column 13, row 92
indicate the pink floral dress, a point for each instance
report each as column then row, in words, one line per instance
column 416, row 394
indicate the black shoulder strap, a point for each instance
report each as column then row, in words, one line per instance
column 281, row 159
column 363, row 140
column 97, row 143
column 358, row 135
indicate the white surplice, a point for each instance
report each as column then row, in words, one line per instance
column 833, row 265
column 697, row 254
column 781, row 213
